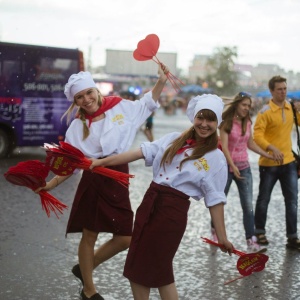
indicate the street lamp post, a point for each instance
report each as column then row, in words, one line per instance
column 89, row 59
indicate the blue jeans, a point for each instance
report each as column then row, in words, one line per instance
column 287, row 176
column 246, row 196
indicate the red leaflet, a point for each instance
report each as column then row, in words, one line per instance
column 63, row 159
column 252, row 262
column 32, row 174
column 71, row 149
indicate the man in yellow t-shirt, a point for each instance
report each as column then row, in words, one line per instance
column 272, row 132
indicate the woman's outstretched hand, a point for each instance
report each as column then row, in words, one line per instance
column 49, row 186
column 95, row 163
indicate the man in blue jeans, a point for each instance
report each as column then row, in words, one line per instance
column 272, row 132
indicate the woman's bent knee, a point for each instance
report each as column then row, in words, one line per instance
column 89, row 236
column 123, row 241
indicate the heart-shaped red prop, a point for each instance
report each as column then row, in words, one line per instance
column 32, row 174
column 63, row 159
column 251, row 262
column 140, row 57
column 59, row 164
column 247, row 263
column 147, row 49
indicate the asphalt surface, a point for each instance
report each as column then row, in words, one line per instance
column 36, row 258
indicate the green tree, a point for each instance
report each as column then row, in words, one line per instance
column 222, row 77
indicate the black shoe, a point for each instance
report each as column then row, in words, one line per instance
column 76, row 271
column 293, row 243
column 94, row 297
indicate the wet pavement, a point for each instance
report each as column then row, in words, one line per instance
column 36, row 258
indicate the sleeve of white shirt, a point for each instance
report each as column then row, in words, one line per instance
column 150, row 103
column 151, row 150
column 213, row 186
column 141, row 109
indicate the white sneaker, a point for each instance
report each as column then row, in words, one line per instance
column 253, row 247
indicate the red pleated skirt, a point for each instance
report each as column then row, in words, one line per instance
column 101, row 204
column 158, row 229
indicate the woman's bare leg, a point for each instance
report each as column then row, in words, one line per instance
column 86, row 260
column 89, row 259
column 139, row 292
column 168, row 292
column 112, row 247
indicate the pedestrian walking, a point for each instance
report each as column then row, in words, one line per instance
column 272, row 132
column 236, row 138
column 148, row 128
column 104, row 126
column 185, row 165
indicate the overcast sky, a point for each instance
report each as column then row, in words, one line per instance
column 264, row 31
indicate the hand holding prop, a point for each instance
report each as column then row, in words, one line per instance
column 32, row 174
column 247, row 262
column 147, row 49
column 64, row 158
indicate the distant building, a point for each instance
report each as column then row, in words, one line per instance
column 293, row 80
column 124, row 71
column 250, row 77
column 263, row 72
column 121, row 62
column 198, row 69
column 245, row 77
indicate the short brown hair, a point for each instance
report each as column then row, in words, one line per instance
column 274, row 80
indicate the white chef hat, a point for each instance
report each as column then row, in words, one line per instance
column 77, row 83
column 205, row 101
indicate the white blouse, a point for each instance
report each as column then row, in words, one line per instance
column 115, row 133
column 204, row 177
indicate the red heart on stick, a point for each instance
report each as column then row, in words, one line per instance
column 138, row 56
column 247, row 263
column 252, row 262
column 148, row 47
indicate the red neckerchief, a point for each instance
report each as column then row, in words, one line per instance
column 107, row 103
column 190, row 143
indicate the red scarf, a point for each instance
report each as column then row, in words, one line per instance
column 107, row 103
column 190, row 143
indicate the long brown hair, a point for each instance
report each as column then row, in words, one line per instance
column 202, row 146
column 229, row 114
column 80, row 113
